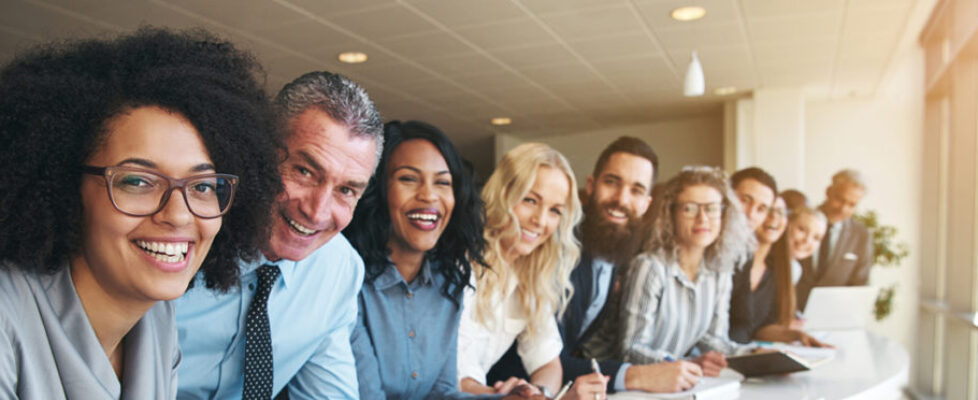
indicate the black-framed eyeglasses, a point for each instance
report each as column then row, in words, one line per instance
column 139, row 192
column 692, row 210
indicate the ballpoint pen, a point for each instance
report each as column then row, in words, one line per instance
column 563, row 390
column 595, row 367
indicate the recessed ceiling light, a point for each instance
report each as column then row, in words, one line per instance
column 352, row 57
column 723, row 91
column 689, row 13
column 499, row 121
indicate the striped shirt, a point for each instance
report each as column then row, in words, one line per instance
column 662, row 314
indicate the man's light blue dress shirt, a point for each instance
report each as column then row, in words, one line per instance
column 312, row 310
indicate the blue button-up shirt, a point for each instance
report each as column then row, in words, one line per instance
column 312, row 310
column 406, row 340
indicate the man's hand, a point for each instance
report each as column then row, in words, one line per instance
column 665, row 377
column 588, row 387
column 711, row 362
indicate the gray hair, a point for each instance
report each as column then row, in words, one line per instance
column 339, row 97
column 850, row 176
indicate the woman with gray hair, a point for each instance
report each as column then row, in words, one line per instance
column 676, row 294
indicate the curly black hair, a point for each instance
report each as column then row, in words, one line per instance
column 56, row 103
column 460, row 245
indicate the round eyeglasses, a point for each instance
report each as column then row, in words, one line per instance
column 139, row 193
column 692, row 210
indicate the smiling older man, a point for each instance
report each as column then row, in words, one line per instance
column 286, row 327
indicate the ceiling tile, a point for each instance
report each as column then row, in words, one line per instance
column 42, row 23
column 507, row 34
column 329, row 8
column 384, row 73
column 613, row 47
column 251, row 15
column 310, row 35
column 566, row 6
column 800, row 52
column 557, row 74
column 425, row 45
column 534, row 55
column 724, row 34
column 460, row 65
column 384, row 22
column 875, row 20
column 584, row 24
column 651, row 64
column 795, row 28
column 490, row 81
column 459, row 13
column 779, row 8
column 290, row 67
column 657, row 12
column 795, row 76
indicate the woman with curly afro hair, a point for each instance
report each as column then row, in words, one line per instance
column 126, row 165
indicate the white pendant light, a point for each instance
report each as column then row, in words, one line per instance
column 695, row 83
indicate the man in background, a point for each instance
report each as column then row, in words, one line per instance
column 846, row 252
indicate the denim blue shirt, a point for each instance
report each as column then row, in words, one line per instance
column 312, row 310
column 405, row 341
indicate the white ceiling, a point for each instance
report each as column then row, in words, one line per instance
column 553, row 66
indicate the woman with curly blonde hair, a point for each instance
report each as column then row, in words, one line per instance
column 676, row 295
column 531, row 210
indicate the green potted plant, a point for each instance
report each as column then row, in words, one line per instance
column 887, row 252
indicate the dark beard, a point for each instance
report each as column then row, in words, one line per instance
column 615, row 243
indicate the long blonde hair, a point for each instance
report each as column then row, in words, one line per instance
column 543, row 276
column 781, row 266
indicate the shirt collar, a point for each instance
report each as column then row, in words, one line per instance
column 702, row 272
column 286, row 268
column 391, row 277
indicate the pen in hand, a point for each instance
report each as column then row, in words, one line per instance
column 595, row 367
column 563, row 390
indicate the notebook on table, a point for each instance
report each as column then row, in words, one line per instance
column 773, row 362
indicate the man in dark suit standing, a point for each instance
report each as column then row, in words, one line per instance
column 615, row 198
column 846, row 252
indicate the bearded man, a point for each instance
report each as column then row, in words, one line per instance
column 616, row 196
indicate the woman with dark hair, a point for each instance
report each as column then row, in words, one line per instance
column 119, row 161
column 676, row 294
column 418, row 228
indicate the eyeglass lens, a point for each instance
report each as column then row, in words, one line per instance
column 142, row 193
column 692, row 210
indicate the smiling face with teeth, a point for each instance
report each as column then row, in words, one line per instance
column 538, row 212
column 420, row 198
column 622, row 191
column 143, row 259
column 325, row 174
column 775, row 223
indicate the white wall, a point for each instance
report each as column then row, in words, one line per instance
column 680, row 142
column 882, row 137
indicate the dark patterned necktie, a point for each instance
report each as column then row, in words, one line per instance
column 258, row 369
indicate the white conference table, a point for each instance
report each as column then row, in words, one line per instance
column 866, row 366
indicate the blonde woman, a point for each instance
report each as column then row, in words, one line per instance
column 531, row 209
column 675, row 296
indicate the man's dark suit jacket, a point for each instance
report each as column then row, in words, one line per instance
column 848, row 265
column 582, row 278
